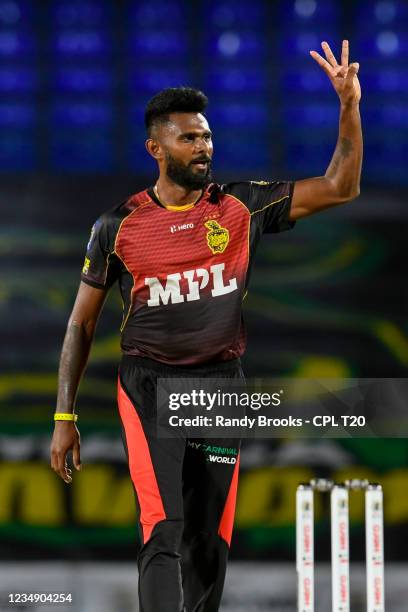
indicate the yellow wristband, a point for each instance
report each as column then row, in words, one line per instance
column 65, row 416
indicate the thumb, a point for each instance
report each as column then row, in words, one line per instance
column 76, row 456
column 353, row 71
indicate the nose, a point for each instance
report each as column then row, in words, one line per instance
column 199, row 145
column 202, row 146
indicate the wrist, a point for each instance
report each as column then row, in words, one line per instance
column 66, row 417
column 349, row 106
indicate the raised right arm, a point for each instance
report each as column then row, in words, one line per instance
column 74, row 357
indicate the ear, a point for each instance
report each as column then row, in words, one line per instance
column 154, row 149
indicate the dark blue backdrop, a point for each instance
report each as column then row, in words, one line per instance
column 75, row 76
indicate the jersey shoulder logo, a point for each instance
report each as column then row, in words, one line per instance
column 261, row 182
column 217, row 237
column 87, row 263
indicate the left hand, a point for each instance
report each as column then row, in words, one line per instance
column 343, row 76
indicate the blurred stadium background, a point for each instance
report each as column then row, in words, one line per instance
column 328, row 299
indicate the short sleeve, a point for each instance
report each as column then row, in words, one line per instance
column 100, row 268
column 268, row 202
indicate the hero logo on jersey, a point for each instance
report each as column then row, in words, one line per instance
column 179, row 228
column 197, row 279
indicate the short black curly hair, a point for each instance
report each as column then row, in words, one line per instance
column 173, row 100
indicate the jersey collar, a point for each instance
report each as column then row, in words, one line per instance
column 211, row 192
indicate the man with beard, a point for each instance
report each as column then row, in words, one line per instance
column 182, row 252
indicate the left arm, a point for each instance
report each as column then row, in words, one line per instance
column 341, row 182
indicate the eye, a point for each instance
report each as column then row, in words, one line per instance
column 207, row 137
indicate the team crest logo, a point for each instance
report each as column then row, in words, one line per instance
column 217, row 237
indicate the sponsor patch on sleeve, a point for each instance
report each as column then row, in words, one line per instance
column 86, row 265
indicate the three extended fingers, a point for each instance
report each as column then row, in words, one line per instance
column 330, row 64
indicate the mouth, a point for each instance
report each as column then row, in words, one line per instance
column 200, row 164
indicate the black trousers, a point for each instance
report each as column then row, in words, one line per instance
column 186, row 498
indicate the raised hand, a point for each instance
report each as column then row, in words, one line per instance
column 343, row 76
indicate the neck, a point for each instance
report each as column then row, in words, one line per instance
column 174, row 195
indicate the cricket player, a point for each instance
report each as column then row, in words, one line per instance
column 182, row 253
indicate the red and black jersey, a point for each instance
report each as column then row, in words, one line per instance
column 183, row 273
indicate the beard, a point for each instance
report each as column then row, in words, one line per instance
column 186, row 176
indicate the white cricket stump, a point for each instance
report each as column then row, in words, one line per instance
column 305, row 547
column 374, row 548
column 340, row 552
